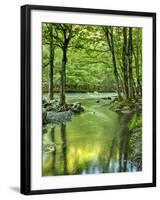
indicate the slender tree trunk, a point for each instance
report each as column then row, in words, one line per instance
column 130, row 76
column 50, row 67
column 62, row 35
column 116, row 75
column 125, row 64
column 139, row 87
column 110, row 40
column 63, row 78
column 137, row 71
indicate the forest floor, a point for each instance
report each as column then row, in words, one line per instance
column 127, row 105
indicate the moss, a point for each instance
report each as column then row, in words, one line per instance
column 119, row 104
column 135, row 127
column 136, row 122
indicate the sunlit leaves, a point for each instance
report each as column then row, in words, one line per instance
column 89, row 59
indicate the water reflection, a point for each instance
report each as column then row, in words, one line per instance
column 64, row 147
column 89, row 144
column 124, row 145
column 52, row 132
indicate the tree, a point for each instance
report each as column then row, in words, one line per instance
column 137, row 53
column 63, row 34
column 50, row 69
column 125, row 65
column 48, row 40
column 127, row 62
column 92, row 58
column 109, row 33
column 130, row 76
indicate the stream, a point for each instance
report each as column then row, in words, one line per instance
column 95, row 141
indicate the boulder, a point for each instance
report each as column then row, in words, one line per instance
column 77, row 108
column 106, row 98
column 59, row 117
column 49, row 108
column 125, row 108
column 53, row 102
column 126, row 111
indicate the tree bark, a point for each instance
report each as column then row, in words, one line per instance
column 50, row 67
column 131, row 92
column 116, row 75
column 125, row 64
column 63, row 77
column 139, row 87
column 110, row 40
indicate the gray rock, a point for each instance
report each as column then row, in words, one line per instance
column 53, row 101
column 126, row 111
column 49, row 108
column 77, row 108
column 126, row 108
column 106, row 98
column 59, row 117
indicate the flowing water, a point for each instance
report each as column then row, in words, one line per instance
column 95, row 141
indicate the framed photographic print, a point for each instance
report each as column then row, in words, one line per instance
column 88, row 99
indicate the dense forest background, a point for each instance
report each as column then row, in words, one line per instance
column 84, row 58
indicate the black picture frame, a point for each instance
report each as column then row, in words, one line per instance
column 26, row 98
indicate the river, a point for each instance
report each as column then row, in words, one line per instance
column 95, row 141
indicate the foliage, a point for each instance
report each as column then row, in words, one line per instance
column 98, row 58
column 136, row 122
column 135, row 127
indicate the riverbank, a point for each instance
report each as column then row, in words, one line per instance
column 126, row 106
column 134, row 107
column 135, row 129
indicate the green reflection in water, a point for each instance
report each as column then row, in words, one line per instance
column 96, row 141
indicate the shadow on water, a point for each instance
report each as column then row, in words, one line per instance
column 58, row 155
column 89, row 144
column 64, row 146
column 124, row 146
column 54, row 152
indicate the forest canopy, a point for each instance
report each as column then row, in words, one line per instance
column 84, row 58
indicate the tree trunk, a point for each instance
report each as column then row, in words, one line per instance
column 50, row 67
column 116, row 75
column 63, row 78
column 110, row 40
column 131, row 93
column 139, row 87
column 125, row 64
